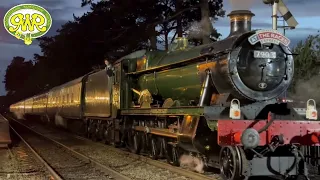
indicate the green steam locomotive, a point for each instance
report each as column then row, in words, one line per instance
column 220, row 102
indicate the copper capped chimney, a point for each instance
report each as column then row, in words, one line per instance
column 240, row 21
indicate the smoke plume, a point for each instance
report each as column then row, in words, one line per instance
column 19, row 115
column 200, row 29
column 241, row 4
column 308, row 89
column 193, row 163
column 60, row 121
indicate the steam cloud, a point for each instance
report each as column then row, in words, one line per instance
column 200, row 29
column 308, row 89
column 60, row 121
column 19, row 115
column 241, row 4
column 192, row 162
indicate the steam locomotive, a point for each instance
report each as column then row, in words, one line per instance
column 220, row 102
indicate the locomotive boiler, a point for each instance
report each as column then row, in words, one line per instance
column 218, row 102
column 245, row 71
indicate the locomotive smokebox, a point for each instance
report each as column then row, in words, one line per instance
column 240, row 21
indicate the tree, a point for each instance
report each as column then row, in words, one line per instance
column 202, row 17
column 113, row 29
column 17, row 73
column 306, row 82
column 161, row 17
column 305, row 62
column 205, row 17
column 81, row 44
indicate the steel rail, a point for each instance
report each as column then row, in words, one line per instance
column 53, row 173
column 157, row 163
column 106, row 169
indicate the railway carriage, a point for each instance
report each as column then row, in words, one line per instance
column 39, row 106
column 221, row 102
column 65, row 100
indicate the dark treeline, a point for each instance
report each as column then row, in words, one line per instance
column 112, row 29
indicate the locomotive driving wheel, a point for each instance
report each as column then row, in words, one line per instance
column 153, row 147
column 230, row 163
column 95, row 132
column 90, row 129
column 173, row 154
column 106, row 133
column 133, row 142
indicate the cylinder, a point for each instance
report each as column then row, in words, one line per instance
column 240, row 21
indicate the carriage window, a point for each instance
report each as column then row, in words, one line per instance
column 71, row 97
column 67, row 98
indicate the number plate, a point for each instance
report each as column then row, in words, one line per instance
column 265, row 54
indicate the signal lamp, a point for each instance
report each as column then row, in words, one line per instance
column 314, row 138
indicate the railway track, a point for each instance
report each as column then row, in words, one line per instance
column 19, row 162
column 158, row 163
column 23, row 164
column 61, row 161
column 104, row 154
column 96, row 150
column 53, row 173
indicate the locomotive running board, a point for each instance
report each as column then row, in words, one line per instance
column 193, row 111
column 206, row 111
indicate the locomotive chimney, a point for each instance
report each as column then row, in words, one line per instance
column 240, row 21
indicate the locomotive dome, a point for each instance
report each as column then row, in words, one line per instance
column 261, row 64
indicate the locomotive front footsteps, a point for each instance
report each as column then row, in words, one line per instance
column 218, row 102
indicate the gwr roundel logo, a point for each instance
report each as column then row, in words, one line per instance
column 27, row 22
